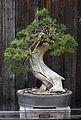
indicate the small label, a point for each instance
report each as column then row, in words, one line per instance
column 44, row 115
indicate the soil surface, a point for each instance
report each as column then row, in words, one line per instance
column 37, row 91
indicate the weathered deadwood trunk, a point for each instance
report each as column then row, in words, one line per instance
column 50, row 79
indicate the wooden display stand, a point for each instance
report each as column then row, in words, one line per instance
column 45, row 113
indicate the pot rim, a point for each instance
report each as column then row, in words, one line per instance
column 68, row 92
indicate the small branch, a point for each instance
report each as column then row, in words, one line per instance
column 33, row 45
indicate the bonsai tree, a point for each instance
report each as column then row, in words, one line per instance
column 25, row 53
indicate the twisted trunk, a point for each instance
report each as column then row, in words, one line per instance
column 50, row 79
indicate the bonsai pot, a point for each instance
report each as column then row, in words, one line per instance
column 34, row 101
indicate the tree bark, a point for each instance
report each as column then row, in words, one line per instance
column 50, row 79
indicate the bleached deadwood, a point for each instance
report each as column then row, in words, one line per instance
column 50, row 79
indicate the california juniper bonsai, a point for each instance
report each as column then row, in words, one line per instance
column 25, row 53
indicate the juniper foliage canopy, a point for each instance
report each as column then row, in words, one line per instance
column 45, row 29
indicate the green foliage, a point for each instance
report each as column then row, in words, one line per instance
column 26, row 32
column 18, row 43
column 39, row 31
column 42, row 12
column 63, row 27
column 65, row 43
column 18, row 69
